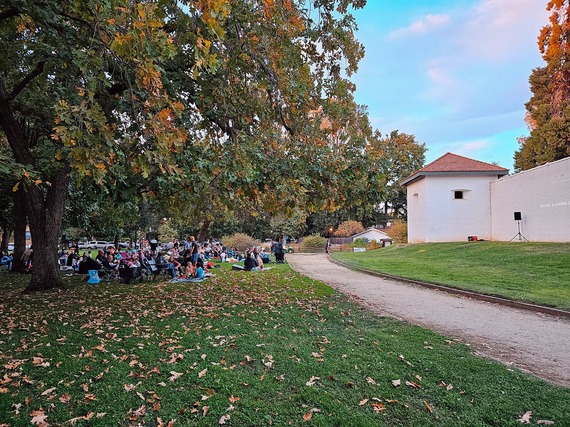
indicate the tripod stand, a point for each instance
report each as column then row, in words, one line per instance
column 519, row 236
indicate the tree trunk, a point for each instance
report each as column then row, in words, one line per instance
column 45, row 215
column 204, row 230
column 5, row 237
column 20, row 223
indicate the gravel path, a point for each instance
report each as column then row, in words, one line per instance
column 537, row 343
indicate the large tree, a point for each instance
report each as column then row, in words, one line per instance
column 548, row 110
column 95, row 91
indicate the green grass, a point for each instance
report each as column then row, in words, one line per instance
column 244, row 345
column 531, row 272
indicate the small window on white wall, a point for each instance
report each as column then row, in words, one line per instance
column 458, row 194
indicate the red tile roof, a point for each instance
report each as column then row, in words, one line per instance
column 450, row 162
column 455, row 165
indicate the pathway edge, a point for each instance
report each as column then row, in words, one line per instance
column 469, row 294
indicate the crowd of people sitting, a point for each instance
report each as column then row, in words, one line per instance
column 186, row 260
column 179, row 260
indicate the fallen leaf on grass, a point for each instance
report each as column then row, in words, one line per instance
column 378, row 407
column 233, row 399
column 413, row 384
column 311, row 382
column 85, row 417
column 545, row 422
column 309, row 414
column 363, row 402
column 202, row 373
column 525, row 419
column 396, row 383
column 39, row 418
column 428, row 407
column 370, row 380
column 174, row 375
column 224, row 419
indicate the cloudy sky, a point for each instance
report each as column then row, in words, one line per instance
column 452, row 72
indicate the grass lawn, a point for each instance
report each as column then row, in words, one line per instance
column 532, row 272
column 242, row 349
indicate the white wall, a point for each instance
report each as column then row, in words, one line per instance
column 451, row 220
column 416, row 199
column 372, row 235
column 542, row 195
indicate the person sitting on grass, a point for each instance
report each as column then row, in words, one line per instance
column 199, row 272
column 250, row 263
column 7, row 260
column 161, row 261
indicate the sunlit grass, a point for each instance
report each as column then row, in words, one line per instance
column 531, row 272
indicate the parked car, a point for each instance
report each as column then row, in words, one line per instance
column 83, row 245
column 98, row 244
column 10, row 247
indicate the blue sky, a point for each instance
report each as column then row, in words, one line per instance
column 452, row 72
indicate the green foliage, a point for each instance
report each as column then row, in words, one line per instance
column 240, row 241
column 398, row 231
column 313, row 243
column 361, row 242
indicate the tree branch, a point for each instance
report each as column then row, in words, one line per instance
column 6, row 14
column 20, row 86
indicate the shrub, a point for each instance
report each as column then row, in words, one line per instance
column 239, row 240
column 349, row 228
column 373, row 244
column 360, row 242
column 313, row 243
column 399, row 231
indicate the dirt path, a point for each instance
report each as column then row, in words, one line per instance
column 537, row 343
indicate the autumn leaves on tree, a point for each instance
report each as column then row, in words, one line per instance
column 548, row 110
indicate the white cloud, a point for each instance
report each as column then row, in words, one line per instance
column 421, row 26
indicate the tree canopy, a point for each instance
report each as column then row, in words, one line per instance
column 207, row 96
column 548, row 110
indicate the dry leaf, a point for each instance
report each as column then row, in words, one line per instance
column 525, row 419
column 311, row 382
column 378, row 407
column 202, row 373
column 396, row 383
column 369, row 380
column 233, row 399
column 545, row 422
column 413, row 384
column 174, row 375
column 428, row 407
column 307, row 416
column 39, row 418
column 48, row 391
column 224, row 419
column 363, row 402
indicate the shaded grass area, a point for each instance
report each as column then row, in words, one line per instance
column 531, row 272
column 249, row 349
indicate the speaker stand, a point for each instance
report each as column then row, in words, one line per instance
column 519, row 236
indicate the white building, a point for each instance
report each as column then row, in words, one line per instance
column 372, row 233
column 455, row 197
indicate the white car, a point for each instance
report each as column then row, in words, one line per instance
column 98, row 244
column 83, row 245
column 10, row 247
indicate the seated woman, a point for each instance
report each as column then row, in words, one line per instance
column 168, row 266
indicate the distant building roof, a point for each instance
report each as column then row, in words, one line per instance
column 453, row 164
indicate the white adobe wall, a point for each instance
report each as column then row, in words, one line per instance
column 416, row 199
column 542, row 195
column 452, row 220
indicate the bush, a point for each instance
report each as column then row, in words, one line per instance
column 313, row 243
column 399, row 231
column 360, row 242
column 373, row 244
column 240, row 241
